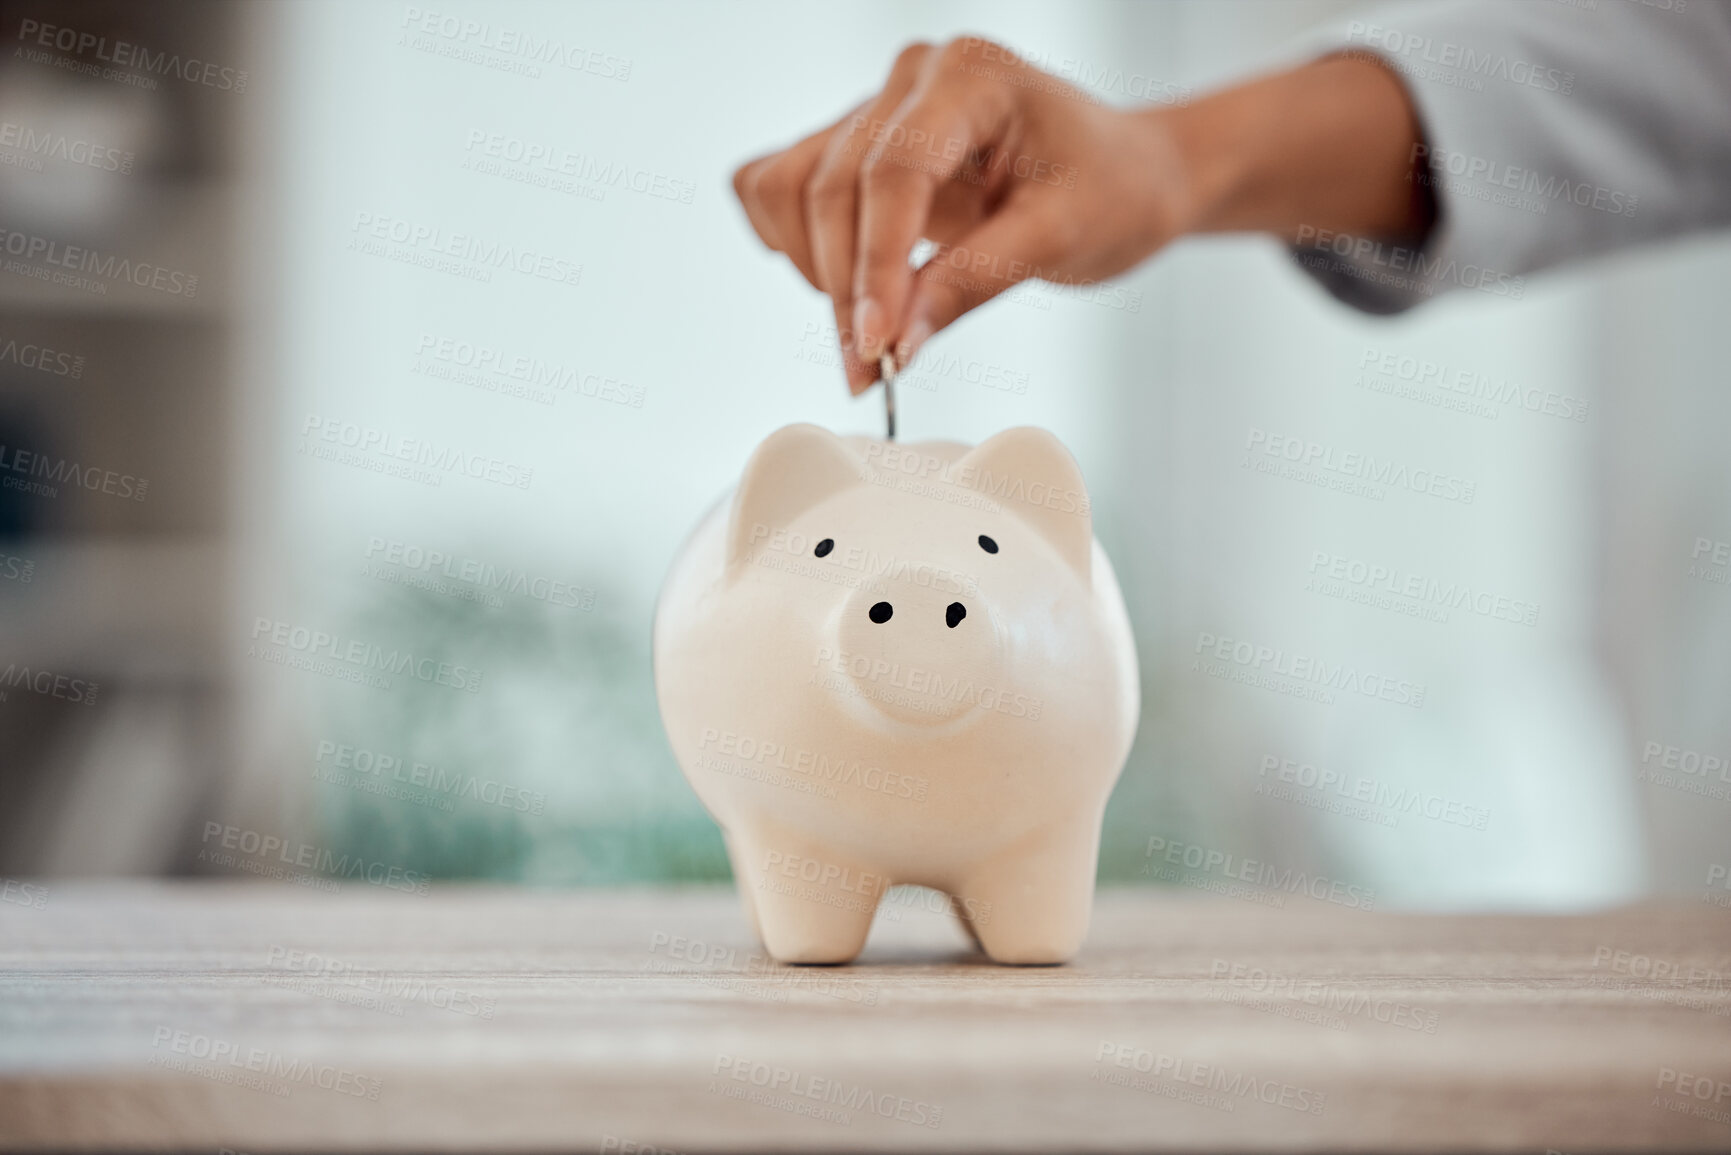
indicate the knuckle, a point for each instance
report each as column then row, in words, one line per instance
column 882, row 172
column 745, row 180
column 829, row 189
column 960, row 51
column 774, row 186
column 910, row 58
column 879, row 259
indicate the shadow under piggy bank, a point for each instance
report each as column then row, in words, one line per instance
column 884, row 663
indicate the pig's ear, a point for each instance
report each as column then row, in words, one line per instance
column 1032, row 475
column 796, row 467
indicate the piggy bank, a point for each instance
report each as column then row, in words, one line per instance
column 883, row 663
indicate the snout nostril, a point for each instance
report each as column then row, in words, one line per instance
column 955, row 614
column 881, row 612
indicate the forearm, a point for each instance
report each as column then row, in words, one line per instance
column 1328, row 145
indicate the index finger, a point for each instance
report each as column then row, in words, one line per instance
column 944, row 123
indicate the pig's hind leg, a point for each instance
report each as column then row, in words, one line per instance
column 744, row 891
column 1030, row 904
column 807, row 903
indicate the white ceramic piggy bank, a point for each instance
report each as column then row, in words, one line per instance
column 885, row 663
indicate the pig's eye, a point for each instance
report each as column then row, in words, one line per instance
column 824, row 546
column 881, row 612
column 954, row 615
column 988, row 544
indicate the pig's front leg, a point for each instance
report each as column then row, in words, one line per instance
column 1030, row 904
column 808, row 903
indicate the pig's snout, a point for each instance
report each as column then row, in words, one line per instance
column 915, row 653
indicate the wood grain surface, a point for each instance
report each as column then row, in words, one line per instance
column 200, row 1016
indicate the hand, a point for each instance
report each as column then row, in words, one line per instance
column 1012, row 172
column 1015, row 174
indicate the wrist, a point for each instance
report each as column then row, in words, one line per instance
column 1213, row 163
column 1329, row 144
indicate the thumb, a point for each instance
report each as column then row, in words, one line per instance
column 1007, row 248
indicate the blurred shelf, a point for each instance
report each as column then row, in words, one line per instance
column 145, row 608
column 181, row 229
column 263, row 1016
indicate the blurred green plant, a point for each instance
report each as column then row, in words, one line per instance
column 555, row 772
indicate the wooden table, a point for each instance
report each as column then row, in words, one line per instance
column 270, row 1016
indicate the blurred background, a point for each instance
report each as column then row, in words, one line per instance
column 256, row 254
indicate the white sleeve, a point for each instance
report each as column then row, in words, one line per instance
column 1555, row 131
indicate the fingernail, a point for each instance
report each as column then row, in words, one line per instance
column 868, row 327
column 855, row 385
column 858, row 377
column 917, row 333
